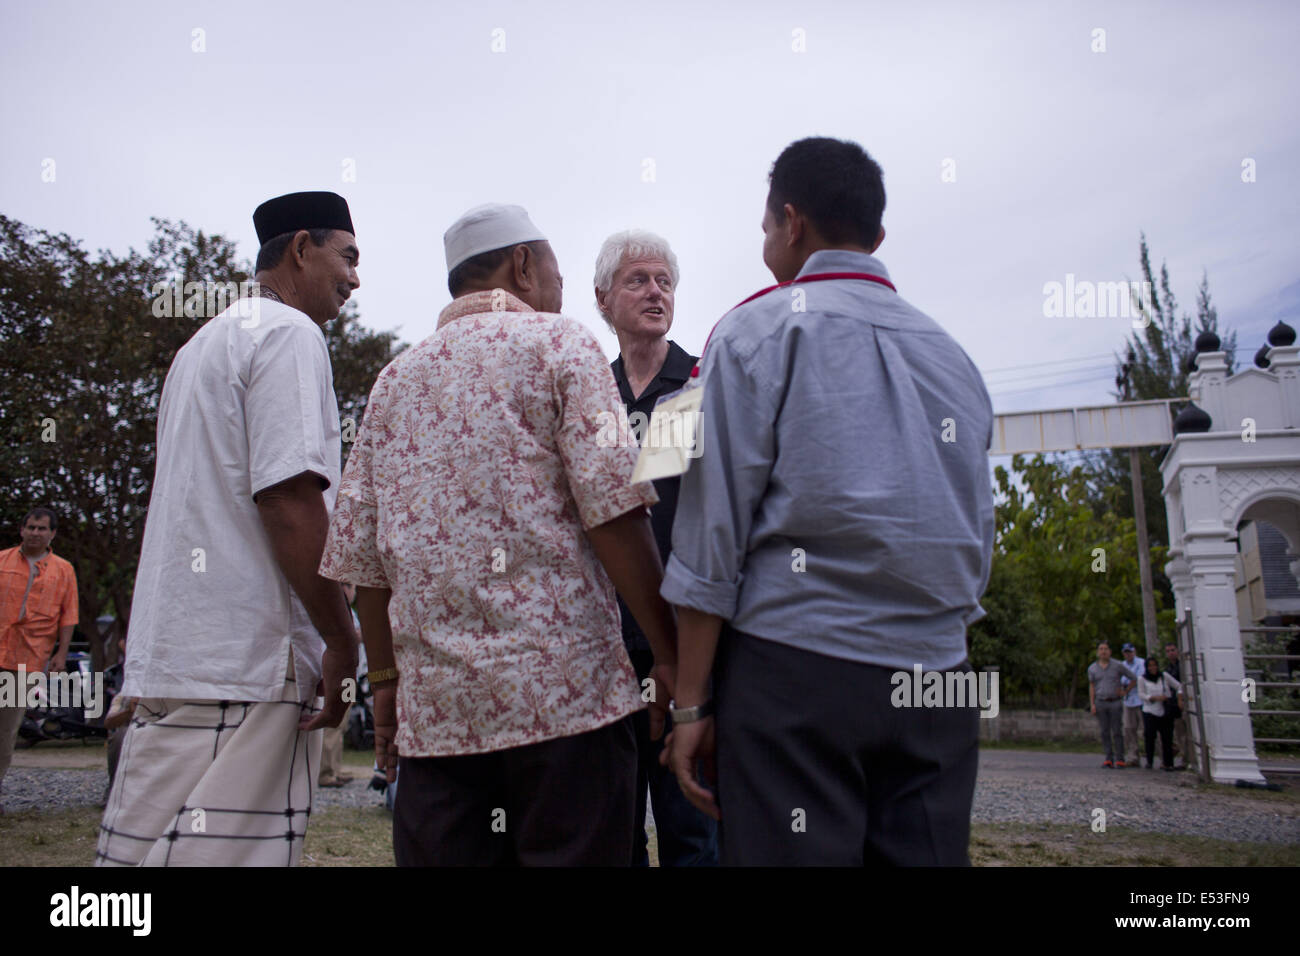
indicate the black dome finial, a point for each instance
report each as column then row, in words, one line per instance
column 1192, row 420
column 1207, row 341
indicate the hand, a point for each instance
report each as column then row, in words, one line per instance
column 120, row 716
column 665, row 685
column 1092, row 709
column 384, row 703
column 59, row 662
column 337, row 667
column 690, row 746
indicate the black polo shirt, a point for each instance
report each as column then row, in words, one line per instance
column 672, row 376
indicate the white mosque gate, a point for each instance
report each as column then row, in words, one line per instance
column 1234, row 458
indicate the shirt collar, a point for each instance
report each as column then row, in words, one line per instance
column 676, row 368
column 843, row 260
column 678, row 364
column 477, row 303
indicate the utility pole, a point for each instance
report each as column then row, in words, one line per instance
column 1144, row 546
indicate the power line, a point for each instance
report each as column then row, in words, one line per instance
column 1094, row 370
column 1038, row 388
column 1069, row 361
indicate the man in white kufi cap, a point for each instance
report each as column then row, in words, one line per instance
column 487, row 518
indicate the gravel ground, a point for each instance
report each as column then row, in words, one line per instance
column 1018, row 786
column 35, row 788
column 1013, row 787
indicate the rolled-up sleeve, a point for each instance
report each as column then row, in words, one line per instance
column 352, row 547
column 724, row 486
column 599, row 470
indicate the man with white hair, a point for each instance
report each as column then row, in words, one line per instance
column 487, row 528
column 636, row 285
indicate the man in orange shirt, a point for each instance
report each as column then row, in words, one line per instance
column 38, row 610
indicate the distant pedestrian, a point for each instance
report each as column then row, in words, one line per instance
column 38, row 610
column 1132, row 707
column 1158, row 690
column 1106, row 697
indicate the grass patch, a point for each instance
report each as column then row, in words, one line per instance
column 364, row 837
column 1019, row 844
column 44, row 838
column 365, row 759
column 343, row 836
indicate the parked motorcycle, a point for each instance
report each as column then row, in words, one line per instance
column 45, row 722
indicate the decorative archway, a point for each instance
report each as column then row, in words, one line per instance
column 1237, row 453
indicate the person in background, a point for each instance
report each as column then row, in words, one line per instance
column 1157, row 690
column 120, row 711
column 38, row 611
column 1132, row 707
column 1106, row 701
column 332, row 773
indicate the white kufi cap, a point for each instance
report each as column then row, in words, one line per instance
column 485, row 228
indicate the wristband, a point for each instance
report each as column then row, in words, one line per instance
column 380, row 677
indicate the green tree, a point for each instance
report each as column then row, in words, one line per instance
column 85, row 344
column 1154, row 364
column 1064, row 577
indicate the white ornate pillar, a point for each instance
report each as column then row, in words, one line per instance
column 1209, row 555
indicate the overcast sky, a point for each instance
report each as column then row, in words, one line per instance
column 667, row 116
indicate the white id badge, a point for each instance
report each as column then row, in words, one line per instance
column 672, row 437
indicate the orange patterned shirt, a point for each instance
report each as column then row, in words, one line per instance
column 29, row 636
column 476, row 472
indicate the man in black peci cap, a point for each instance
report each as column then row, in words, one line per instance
column 234, row 634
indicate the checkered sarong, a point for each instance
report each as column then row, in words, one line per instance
column 212, row 783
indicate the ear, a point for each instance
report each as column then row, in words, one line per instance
column 879, row 239
column 795, row 225
column 601, row 298
column 522, row 266
column 298, row 246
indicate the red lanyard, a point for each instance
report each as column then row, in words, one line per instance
column 811, row 277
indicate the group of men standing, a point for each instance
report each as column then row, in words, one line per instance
column 835, row 528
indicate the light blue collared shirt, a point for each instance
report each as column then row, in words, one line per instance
column 841, row 503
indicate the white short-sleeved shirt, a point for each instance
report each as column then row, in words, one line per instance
column 248, row 403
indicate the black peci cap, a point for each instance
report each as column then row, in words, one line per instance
column 294, row 211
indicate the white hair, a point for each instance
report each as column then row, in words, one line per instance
column 630, row 244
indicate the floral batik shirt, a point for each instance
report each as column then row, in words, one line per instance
column 479, row 466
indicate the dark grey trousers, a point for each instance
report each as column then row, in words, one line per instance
column 1110, row 718
column 817, row 767
column 562, row 802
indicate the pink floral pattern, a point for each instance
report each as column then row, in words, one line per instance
column 474, row 475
